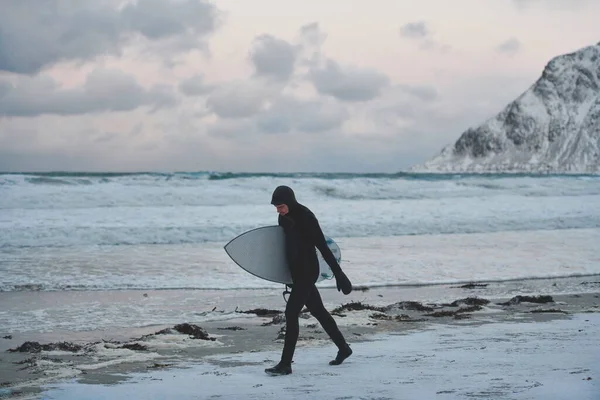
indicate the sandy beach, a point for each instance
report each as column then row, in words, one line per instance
column 453, row 341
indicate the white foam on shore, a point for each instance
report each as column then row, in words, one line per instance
column 543, row 360
column 369, row 261
column 178, row 342
column 134, row 357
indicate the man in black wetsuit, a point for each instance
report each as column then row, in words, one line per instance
column 302, row 235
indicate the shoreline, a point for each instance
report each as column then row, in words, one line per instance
column 110, row 356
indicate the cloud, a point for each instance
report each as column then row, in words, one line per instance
column 103, row 90
column 274, row 113
column 312, row 35
column 239, row 99
column 348, row 83
column 195, row 86
column 288, row 114
column 311, row 41
column 414, row 30
column 422, row 92
column 420, row 32
column 273, row 58
column 38, row 34
column 511, row 46
column 156, row 19
column 335, row 116
column 239, row 130
column 432, row 45
column 555, row 4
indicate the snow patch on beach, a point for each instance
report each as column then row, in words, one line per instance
column 177, row 342
column 545, row 360
column 109, row 357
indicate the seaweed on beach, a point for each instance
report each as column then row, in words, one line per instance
column 458, row 314
column 471, row 286
column 33, row 361
column 528, row 299
column 469, row 309
column 277, row 320
column 134, row 346
column 194, row 331
column 35, row 347
column 281, row 334
column 398, row 318
column 262, row 312
column 158, row 365
column 439, row 314
column 551, row 310
column 469, row 301
column 356, row 306
column 232, row 328
column 409, row 306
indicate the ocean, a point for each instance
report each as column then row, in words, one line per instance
column 107, row 232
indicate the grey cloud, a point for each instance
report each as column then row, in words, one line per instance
column 425, row 93
column 5, row 87
column 104, row 90
column 195, row 86
column 156, row 19
column 311, row 40
column 290, row 114
column 36, row 34
column 521, row 3
column 238, row 99
column 38, row 161
column 171, row 51
column 274, row 58
column 348, row 83
column 420, row 32
column 511, row 46
column 432, row 45
column 557, row 4
column 312, row 34
column 414, row 30
column 240, row 130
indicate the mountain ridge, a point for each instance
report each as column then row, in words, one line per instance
column 552, row 127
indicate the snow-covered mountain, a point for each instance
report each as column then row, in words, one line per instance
column 552, row 127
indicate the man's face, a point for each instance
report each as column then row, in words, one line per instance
column 282, row 209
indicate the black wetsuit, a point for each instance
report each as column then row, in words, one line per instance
column 303, row 236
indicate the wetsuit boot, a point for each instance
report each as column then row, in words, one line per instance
column 280, row 369
column 344, row 352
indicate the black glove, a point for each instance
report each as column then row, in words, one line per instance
column 343, row 283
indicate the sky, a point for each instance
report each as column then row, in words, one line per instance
column 265, row 85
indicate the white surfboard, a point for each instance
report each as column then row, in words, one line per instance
column 261, row 252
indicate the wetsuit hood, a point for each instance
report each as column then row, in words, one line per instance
column 284, row 195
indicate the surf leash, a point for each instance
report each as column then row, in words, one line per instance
column 286, row 291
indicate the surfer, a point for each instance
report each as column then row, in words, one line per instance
column 302, row 235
